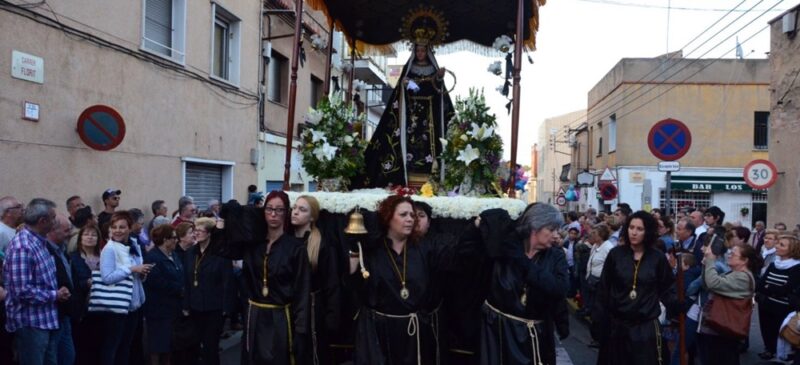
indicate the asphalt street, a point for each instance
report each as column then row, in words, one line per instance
column 573, row 350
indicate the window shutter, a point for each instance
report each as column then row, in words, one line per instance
column 158, row 26
column 203, row 183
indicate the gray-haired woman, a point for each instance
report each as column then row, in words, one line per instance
column 529, row 278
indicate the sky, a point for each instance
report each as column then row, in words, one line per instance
column 579, row 41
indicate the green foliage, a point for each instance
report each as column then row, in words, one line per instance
column 473, row 149
column 332, row 146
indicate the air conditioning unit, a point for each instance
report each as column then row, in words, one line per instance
column 789, row 22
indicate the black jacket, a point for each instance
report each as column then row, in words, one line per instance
column 213, row 278
column 164, row 287
column 71, row 307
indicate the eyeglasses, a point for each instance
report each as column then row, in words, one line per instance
column 278, row 211
column 114, row 198
column 200, row 231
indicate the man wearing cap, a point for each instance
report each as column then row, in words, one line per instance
column 111, row 202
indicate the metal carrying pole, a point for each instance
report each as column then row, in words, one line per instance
column 668, row 195
column 298, row 22
column 516, row 92
column 326, row 88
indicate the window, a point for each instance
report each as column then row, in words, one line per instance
column 225, row 45
column 612, row 133
column 274, row 185
column 761, row 131
column 204, row 180
column 316, row 91
column 278, row 78
column 683, row 199
column 599, row 139
column 164, row 28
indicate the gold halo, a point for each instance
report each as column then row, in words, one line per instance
column 424, row 25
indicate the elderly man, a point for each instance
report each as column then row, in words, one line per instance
column 186, row 213
column 698, row 222
column 10, row 216
column 33, row 292
column 758, row 235
column 56, row 244
column 620, row 217
column 73, row 204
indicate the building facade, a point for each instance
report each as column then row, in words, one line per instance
column 369, row 82
column 554, row 154
column 725, row 105
column 784, row 196
column 182, row 75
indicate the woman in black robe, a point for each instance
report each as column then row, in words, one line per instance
column 529, row 278
column 406, row 143
column 325, row 285
column 277, row 279
column 635, row 278
column 392, row 326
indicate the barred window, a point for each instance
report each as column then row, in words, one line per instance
column 681, row 199
column 761, row 130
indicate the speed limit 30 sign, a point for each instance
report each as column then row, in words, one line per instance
column 760, row 174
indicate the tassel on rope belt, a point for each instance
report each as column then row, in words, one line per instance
column 530, row 324
column 314, row 341
column 413, row 327
column 288, row 314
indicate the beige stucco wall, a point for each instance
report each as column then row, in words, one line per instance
column 784, row 196
column 272, row 148
column 717, row 104
column 168, row 116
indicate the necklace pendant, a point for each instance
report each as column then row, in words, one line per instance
column 404, row 293
column 524, row 299
column 196, row 283
column 633, row 294
column 264, row 291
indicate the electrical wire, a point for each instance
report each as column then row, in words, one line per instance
column 621, row 97
column 648, row 6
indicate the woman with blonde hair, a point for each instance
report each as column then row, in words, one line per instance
column 325, row 286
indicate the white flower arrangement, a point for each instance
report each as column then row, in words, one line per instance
column 496, row 68
column 459, row 207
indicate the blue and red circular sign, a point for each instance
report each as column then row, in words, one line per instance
column 101, row 127
column 608, row 191
column 669, row 139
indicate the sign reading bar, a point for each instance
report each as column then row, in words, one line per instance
column 710, row 183
column 27, row 67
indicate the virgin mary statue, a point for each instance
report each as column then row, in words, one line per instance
column 405, row 148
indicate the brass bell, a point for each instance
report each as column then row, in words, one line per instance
column 355, row 224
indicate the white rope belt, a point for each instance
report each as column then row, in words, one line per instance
column 531, row 325
column 412, row 329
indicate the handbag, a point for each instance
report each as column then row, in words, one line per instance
column 114, row 298
column 727, row 316
column 790, row 332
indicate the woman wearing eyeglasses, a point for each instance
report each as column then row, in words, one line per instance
column 277, row 279
column 207, row 300
column 325, row 286
column 164, row 291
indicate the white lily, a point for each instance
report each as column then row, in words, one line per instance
column 325, row 152
column 480, row 132
column 468, row 154
column 348, row 140
column 317, row 136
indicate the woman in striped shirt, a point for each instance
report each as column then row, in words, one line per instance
column 774, row 290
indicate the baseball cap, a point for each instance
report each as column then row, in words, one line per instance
column 111, row 191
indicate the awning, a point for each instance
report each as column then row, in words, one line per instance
column 376, row 24
column 710, row 183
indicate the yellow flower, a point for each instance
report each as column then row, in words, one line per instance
column 426, row 190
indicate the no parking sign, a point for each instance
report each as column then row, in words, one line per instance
column 101, row 127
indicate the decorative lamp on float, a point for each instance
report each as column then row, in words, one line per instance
column 355, row 227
